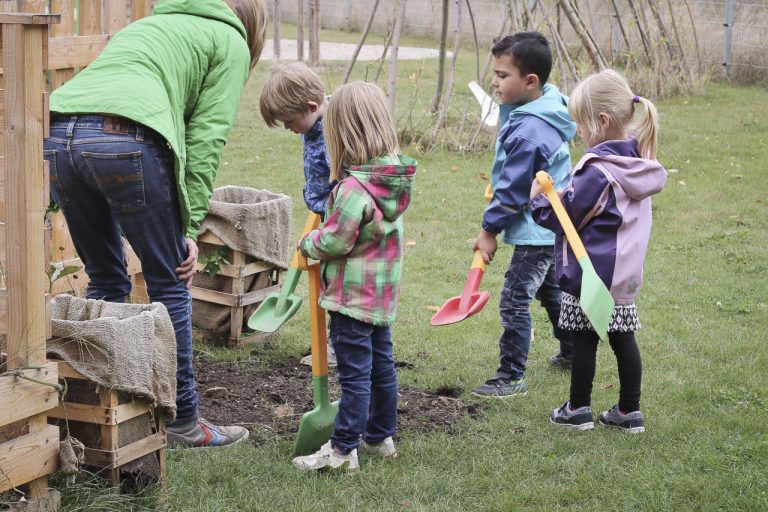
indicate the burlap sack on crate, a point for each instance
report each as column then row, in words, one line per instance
column 256, row 222
column 130, row 348
column 125, row 347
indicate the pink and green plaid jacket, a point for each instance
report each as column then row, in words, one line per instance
column 361, row 243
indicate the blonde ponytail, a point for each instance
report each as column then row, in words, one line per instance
column 608, row 92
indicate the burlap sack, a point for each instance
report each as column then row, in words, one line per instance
column 256, row 222
column 125, row 347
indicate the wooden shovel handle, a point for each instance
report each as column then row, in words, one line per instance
column 299, row 260
column 562, row 215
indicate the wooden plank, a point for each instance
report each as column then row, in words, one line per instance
column 227, row 299
column 97, row 414
column 210, row 238
column 241, row 270
column 113, row 459
column 25, row 209
column 65, row 28
column 89, row 17
column 110, row 433
column 66, row 371
column 258, row 295
column 75, row 51
column 28, row 19
column 72, row 411
column 115, row 15
column 238, row 288
column 3, row 311
column 29, row 457
column 23, row 398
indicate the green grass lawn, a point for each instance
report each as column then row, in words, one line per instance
column 704, row 309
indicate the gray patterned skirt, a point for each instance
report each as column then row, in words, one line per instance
column 572, row 317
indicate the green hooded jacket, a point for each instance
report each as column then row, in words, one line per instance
column 361, row 242
column 180, row 72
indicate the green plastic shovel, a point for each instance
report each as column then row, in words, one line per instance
column 595, row 299
column 277, row 308
column 316, row 426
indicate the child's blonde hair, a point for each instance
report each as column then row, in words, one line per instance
column 287, row 90
column 358, row 126
column 253, row 15
column 608, row 92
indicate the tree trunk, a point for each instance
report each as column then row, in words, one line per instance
column 391, row 83
column 360, row 43
column 441, row 59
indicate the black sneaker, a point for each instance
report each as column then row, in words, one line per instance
column 560, row 361
column 580, row 419
column 631, row 423
column 500, row 387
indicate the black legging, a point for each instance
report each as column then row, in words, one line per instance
column 583, row 368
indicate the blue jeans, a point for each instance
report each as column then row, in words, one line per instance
column 368, row 380
column 117, row 177
column 531, row 274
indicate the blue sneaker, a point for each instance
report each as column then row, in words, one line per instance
column 501, row 388
column 579, row 419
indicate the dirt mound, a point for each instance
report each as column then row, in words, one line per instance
column 270, row 398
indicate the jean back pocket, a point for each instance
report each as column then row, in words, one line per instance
column 120, row 177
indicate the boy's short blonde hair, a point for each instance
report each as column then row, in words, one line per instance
column 287, row 90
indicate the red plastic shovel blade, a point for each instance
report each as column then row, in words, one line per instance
column 450, row 313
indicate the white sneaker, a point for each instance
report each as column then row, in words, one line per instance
column 329, row 459
column 307, row 360
column 385, row 449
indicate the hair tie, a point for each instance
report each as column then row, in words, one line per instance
column 636, row 99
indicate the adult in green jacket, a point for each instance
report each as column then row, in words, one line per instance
column 134, row 148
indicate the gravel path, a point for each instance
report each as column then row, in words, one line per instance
column 344, row 51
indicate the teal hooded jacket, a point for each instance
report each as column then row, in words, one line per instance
column 180, row 72
column 534, row 137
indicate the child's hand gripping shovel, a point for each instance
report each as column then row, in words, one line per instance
column 470, row 301
column 595, row 299
column 277, row 308
column 316, row 426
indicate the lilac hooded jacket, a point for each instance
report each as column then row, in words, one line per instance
column 609, row 202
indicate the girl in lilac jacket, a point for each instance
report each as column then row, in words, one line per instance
column 609, row 202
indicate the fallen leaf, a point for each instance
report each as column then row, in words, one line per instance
column 433, row 308
column 672, row 171
column 682, row 183
column 410, row 243
column 281, row 411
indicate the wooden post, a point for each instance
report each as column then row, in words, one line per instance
column 89, row 17
column 115, row 15
column 314, row 32
column 25, row 47
column 300, row 30
column 276, row 30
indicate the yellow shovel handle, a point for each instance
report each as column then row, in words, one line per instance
column 299, row 260
column 562, row 215
column 477, row 261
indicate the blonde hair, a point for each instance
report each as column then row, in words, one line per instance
column 287, row 90
column 358, row 126
column 253, row 15
column 608, row 92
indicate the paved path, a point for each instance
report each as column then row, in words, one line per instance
column 344, row 51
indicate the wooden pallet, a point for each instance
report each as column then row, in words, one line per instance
column 237, row 299
column 99, row 425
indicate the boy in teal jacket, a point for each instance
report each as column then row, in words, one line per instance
column 534, row 137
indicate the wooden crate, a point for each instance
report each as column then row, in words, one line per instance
column 97, row 417
column 239, row 301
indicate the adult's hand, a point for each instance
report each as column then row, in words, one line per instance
column 186, row 271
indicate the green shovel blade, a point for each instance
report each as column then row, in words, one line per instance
column 277, row 308
column 316, row 426
column 595, row 300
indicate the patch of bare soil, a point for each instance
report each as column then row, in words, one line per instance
column 269, row 398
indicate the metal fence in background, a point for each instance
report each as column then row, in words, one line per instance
column 731, row 36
